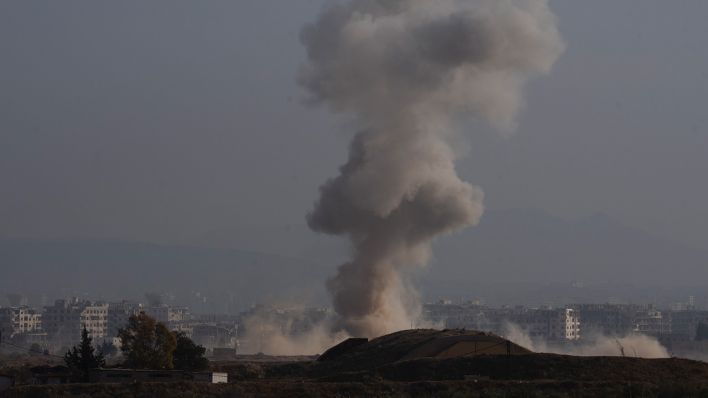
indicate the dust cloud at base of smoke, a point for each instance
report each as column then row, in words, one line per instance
column 293, row 334
column 595, row 344
column 284, row 336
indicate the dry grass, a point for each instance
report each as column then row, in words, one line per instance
column 377, row 369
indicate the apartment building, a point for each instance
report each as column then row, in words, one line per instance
column 548, row 324
column 19, row 320
column 94, row 318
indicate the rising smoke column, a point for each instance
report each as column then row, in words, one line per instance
column 404, row 69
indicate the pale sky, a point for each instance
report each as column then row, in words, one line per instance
column 181, row 122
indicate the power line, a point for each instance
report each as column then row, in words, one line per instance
column 30, row 350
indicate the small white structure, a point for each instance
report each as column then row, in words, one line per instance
column 219, row 377
column 212, row 377
column 134, row 375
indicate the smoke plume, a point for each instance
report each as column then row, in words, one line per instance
column 405, row 69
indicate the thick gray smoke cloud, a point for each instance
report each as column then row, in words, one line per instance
column 405, row 69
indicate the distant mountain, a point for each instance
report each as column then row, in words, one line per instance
column 512, row 255
column 514, row 249
column 113, row 270
column 295, row 240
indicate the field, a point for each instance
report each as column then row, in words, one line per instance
column 383, row 367
column 536, row 375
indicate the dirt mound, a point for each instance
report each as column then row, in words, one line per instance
column 419, row 343
column 342, row 348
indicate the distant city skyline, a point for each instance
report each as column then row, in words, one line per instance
column 574, row 328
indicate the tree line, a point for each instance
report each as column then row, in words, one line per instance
column 145, row 344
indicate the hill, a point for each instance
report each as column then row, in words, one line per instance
column 513, row 256
column 206, row 278
column 516, row 256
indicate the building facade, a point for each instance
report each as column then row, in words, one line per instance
column 94, row 318
column 20, row 320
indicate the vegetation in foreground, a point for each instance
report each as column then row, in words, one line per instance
column 457, row 388
column 536, row 375
column 377, row 369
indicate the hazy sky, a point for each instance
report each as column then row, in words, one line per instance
column 181, row 121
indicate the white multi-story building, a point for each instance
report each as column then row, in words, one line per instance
column 569, row 324
column 555, row 324
column 95, row 319
column 19, row 320
column 27, row 320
